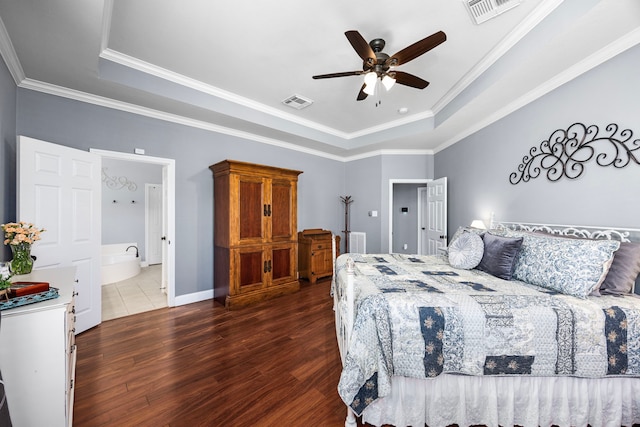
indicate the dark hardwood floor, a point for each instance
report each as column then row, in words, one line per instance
column 275, row 363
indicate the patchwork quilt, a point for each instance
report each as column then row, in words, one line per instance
column 419, row 317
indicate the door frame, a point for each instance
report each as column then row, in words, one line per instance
column 168, row 182
column 400, row 181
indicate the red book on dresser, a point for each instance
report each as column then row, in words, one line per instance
column 20, row 289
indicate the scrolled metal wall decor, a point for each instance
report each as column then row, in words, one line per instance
column 566, row 152
column 118, row 182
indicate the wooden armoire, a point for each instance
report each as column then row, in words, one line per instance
column 255, row 232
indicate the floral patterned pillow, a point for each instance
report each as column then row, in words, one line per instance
column 570, row 266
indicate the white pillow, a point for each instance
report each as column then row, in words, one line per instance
column 466, row 251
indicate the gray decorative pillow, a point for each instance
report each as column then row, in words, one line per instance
column 624, row 270
column 499, row 255
column 466, row 251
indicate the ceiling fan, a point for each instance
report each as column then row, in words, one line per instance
column 377, row 65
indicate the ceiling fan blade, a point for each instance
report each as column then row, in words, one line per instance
column 360, row 45
column 362, row 94
column 410, row 80
column 418, row 48
column 332, row 75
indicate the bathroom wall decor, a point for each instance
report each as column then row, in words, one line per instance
column 118, row 182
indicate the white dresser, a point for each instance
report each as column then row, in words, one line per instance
column 38, row 354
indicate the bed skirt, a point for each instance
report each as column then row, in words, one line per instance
column 508, row 401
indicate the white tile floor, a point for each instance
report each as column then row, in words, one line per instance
column 136, row 295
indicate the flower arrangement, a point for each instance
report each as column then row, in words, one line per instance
column 16, row 233
column 20, row 236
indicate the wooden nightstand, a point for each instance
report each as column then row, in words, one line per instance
column 315, row 260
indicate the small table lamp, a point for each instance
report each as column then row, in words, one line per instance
column 478, row 223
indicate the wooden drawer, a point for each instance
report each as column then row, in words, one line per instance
column 325, row 244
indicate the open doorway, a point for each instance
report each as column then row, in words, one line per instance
column 424, row 230
column 157, row 204
column 403, row 226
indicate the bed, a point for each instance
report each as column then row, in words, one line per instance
column 423, row 342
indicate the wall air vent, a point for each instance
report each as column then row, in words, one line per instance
column 298, row 102
column 483, row 10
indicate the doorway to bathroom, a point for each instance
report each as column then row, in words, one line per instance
column 137, row 217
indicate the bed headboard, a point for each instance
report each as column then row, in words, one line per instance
column 584, row 232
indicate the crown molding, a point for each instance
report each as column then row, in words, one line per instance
column 393, row 124
column 531, row 21
column 107, row 15
column 179, row 79
column 155, row 114
column 9, row 54
column 613, row 49
column 388, row 152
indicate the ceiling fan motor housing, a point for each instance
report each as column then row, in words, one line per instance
column 382, row 63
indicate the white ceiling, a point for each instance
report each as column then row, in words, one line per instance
column 227, row 66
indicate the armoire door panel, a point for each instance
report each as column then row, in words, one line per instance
column 283, row 204
column 250, row 268
column 283, row 263
column 251, row 209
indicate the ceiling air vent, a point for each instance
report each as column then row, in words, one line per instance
column 297, row 102
column 483, row 10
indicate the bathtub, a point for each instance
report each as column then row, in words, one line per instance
column 118, row 264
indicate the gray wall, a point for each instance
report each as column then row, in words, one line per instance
column 123, row 206
column 478, row 167
column 7, row 152
column 84, row 126
column 363, row 184
column 367, row 181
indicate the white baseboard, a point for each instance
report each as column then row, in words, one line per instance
column 194, row 297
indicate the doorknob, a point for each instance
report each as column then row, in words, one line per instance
column 423, row 228
column 442, row 236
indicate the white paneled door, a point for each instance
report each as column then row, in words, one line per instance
column 59, row 190
column 437, row 215
column 153, row 223
column 423, row 221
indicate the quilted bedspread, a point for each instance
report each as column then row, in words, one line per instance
column 418, row 317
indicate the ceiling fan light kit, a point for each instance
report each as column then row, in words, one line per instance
column 388, row 81
column 377, row 66
column 369, row 89
column 370, row 78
